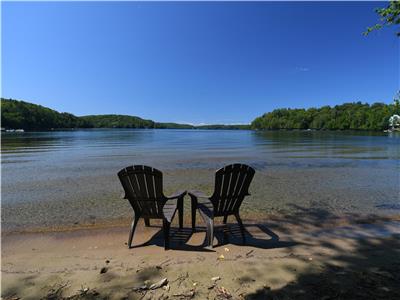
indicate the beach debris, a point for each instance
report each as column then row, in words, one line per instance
column 146, row 286
column 186, row 295
column 103, row 270
column 107, row 261
column 310, row 258
column 248, row 254
column 143, row 287
column 226, row 249
column 221, row 257
column 194, row 283
column 55, row 291
column 167, row 287
column 159, row 284
column 223, row 293
column 214, row 284
column 181, row 278
column 12, row 297
column 83, row 290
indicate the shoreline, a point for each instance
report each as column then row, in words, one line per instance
column 329, row 221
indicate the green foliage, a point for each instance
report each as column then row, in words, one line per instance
column 117, row 121
column 388, row 16
column 20, row 114
column 348, row 116
column 28, row 116
column 173, row 126
column 221, row 126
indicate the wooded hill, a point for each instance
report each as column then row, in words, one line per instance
column 28, row 116
column 348, row 116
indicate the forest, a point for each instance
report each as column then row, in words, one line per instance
column 347, row 116
column 28, row 116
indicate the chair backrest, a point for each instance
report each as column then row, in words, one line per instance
column 231, row 186
column 143, row 188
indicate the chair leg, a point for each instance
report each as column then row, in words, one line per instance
column 147, row 222
column 210, row 232
column 133, row 227
column 180, row 212
column 166, row 226
column 239, row 220
column 194, row 207
column 225, row 219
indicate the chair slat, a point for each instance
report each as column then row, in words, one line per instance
column 231, row 186
column 227, row 174
column 143, row 188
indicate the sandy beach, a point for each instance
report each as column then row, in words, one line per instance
column 298, row 257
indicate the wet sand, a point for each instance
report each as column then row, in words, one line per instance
column 292, row 258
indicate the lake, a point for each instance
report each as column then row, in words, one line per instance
column 69, row 177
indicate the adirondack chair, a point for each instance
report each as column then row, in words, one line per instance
column 143, row 188
column 231, row 186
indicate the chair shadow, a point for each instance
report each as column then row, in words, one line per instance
column 224, row 234
column 231, row 234
column 178, row 240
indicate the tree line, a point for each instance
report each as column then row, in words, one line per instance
column 348, row 116
column 28, row 116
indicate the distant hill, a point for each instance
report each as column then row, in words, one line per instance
column 222, row 126
column 19, row 114
column 117, row 121
column 28, row 116
column 347, row 116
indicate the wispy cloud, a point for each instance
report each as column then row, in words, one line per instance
column 303, row 69
column 296, row 70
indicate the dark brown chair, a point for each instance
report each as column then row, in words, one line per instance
column 231, row 186
column 143, row 188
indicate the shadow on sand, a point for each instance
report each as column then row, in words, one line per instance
column 180, row 239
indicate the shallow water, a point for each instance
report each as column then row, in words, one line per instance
column 70, row 176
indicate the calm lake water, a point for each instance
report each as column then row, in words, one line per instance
column 70, row 176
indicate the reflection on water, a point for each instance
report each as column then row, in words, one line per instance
column 209, row 142
column 82, row 164
column 39, row 152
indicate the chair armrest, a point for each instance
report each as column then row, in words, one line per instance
column 177, row 195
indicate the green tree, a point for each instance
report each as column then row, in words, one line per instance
column 389, row 15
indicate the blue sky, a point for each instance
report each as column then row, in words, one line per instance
column 203, row 62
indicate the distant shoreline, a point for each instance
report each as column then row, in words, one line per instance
column 200, row 128
column 348, row 116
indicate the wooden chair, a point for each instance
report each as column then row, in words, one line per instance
column 143, row 188
column 231, row 186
